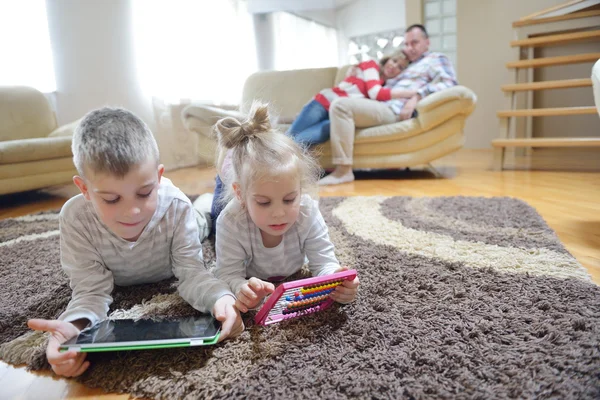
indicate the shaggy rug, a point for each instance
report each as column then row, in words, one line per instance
column 460, row 298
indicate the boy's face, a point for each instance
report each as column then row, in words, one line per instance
column 274, row 205
column 125, row 205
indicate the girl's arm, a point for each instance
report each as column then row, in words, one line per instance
column 372, row 79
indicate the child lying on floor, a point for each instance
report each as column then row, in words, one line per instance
column 128, row 226
column 271, row 224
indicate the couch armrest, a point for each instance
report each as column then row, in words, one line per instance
column 65, row 130
column 445, row 104
column 461, row 93
column 201, row 118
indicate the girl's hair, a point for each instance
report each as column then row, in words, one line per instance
column 395, row 54
column 258, row 153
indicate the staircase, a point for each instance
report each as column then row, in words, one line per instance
column 533, row 32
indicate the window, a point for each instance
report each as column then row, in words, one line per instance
column 374, row 46
column 25, row 44
column 300, row 43
column 193, row 49
column 440, row 21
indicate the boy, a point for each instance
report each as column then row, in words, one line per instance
column 128, row 226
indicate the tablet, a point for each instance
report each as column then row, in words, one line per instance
column 128, row 334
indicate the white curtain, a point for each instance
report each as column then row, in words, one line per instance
column 201, row 50
column 300, row 43
column 25, row 45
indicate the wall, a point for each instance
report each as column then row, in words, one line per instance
column 370, row 16
column 92, row 47
column 323, row 17
column 414, row 12
column 484, row 33
column 367, row 16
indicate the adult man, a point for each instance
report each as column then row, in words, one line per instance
column 428, row 72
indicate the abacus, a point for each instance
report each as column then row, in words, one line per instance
column 301, row 297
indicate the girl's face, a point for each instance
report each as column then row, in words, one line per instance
column 274, row 204
column 393, row 67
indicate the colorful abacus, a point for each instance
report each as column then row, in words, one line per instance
column 301, row 297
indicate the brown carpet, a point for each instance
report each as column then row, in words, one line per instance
column 460, row 298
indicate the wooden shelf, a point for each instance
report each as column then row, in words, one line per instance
column 551, row 61
column 547, row 112
column 548, row 142
column 561, row 84
column 582, row 14
column 551, row 40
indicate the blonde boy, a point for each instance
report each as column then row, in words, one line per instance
column 128, row 226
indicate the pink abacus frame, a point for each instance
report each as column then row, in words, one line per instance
column 304, row 296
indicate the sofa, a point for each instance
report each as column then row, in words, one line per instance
column 34, row 151
column 436, row 132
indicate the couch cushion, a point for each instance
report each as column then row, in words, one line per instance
column 65, row 130
column 408, row 144
column 16, row 151
column 24, row 113
column 28, row 168
column 341, row 74
column 286, row 91
column 37, row 181
column 419, row 157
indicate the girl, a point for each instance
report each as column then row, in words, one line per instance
column 364, row 81
column 271, row 224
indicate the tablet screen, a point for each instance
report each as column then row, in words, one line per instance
column 130, row 331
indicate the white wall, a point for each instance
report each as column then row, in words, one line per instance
column 367, row 16
column 324, row 17
column 92, row 46
column 370, row 16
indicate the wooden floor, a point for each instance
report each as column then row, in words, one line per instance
column 563, row 185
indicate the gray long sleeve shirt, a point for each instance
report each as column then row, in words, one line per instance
column 241, row 253
column 95, row 259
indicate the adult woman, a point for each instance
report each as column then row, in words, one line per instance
column 364, row 80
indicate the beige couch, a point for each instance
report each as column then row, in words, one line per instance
column 34, row 151
column 436, row 132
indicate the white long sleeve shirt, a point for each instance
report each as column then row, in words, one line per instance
column 95, row 259
column 241, row 254
column 429, row 74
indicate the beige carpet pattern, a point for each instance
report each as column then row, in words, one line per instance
column 460, row 297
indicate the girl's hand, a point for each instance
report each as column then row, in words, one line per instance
column 347, row 291
column 252, row 293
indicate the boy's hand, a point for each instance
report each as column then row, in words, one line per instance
column 69, row 363
column 252, row 293
column 346, row 292
column 231, row 322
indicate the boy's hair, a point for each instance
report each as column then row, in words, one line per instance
column 419, row 27
column 260, row 153
column 395, row 54
column 112, row 140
